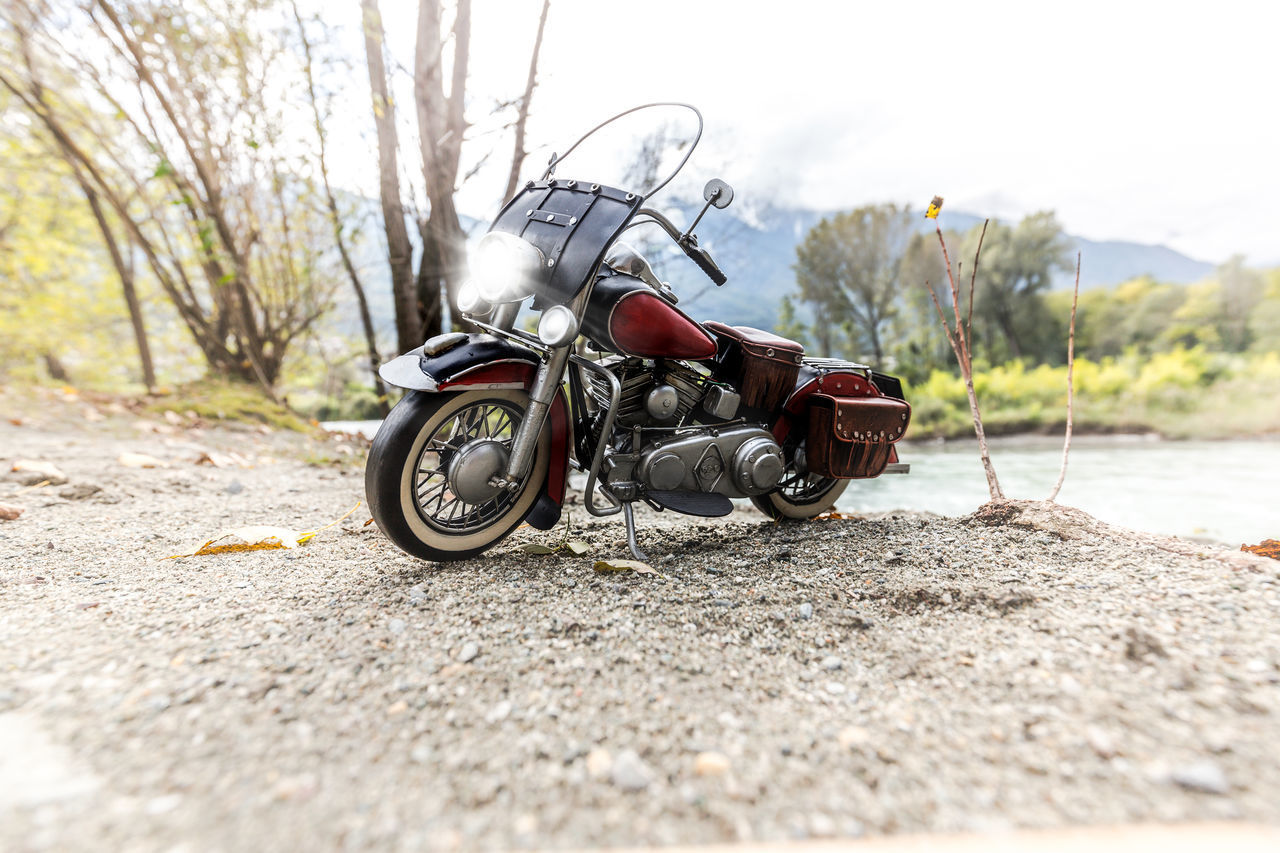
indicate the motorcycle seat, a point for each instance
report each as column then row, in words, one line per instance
column 754, row 338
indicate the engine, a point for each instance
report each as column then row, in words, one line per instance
column 736, row 460
column 651, row 396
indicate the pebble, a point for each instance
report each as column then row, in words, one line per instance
column 417, row 594
column 599, row 762
column 1101, row 742
column 79, row 491
column 806, row 611
column 468, row 653
column 235, row 487
column 852, row 736
column 1204, row 776
column 832, row 663
column 711, row 763
column 396, row 626
column 629, row 772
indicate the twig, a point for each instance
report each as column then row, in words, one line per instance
column 1071, row 364
column 960, row 346
column 973, row 277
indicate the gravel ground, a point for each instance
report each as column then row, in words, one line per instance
column 1017, row 668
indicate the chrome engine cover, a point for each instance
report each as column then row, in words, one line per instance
column 737, row 462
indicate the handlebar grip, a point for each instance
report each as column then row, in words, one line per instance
column 704, row 262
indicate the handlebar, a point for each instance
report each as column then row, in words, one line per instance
column 688, row 244
column 702, row 258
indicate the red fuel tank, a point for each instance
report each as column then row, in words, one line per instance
column 627, row 317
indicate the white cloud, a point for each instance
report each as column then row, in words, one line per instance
column 1153, row 122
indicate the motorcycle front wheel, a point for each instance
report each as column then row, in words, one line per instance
column 800, row 494
column 427, row 478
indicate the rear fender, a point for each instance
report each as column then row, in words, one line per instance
column 482, row 362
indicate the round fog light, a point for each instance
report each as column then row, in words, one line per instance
column 558, row 326
column 469, row 299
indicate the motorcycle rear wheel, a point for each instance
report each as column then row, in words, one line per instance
column 412, row 477
column 800, row 495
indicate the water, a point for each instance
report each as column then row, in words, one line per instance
column 1227, row 491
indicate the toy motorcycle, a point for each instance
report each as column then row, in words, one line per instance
column 681, row 415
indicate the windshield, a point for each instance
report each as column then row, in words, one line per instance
column 641, row 149
column 571, row 216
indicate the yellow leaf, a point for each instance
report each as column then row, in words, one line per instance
column 577, row 548
column 625, row 566
column 259, row 538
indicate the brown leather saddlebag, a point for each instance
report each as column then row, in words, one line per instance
column 761, row 365
column 850, row 437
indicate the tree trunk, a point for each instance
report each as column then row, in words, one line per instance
column 409, row 333
column 518, row 154
column 1010, row 333
column 123, row 271
column 331, row 202
column 441, row 125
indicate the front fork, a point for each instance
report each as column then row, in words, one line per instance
column 545, row 385
column 550, row 376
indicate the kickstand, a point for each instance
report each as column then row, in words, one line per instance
column 629, row 515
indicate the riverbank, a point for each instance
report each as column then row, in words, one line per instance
column 875, row 675
column 1180, row 394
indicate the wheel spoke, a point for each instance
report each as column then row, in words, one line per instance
column 437, row 503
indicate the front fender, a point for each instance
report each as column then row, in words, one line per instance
column 483, row 362
column 462, row 360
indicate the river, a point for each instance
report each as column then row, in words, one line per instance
column 1226, row 491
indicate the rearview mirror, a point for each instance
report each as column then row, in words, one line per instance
column 718, row 193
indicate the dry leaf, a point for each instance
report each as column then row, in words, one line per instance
column 834, row 514
column 140, row 460
column 1266, row 548
column 537, row 548
column 217, row 460
column 9, row 512
column 576, row 547
column 625, row 566
column 259, row 538
column 248, row 539
column 39, row 471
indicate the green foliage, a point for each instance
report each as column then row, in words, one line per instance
column 229, row 400
column 1014, row 273
column 849, row 269
column 1179, row 393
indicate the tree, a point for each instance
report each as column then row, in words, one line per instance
column 176, row 117
column 441, row 53
column 1018, row 264
column 335, row 218
column 522, row 116
column 399, row 249
column 849, row 269
column 121, row 257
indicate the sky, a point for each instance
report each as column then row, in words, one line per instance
column 1149, row 122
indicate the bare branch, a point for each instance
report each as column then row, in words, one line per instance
column 1071, row 389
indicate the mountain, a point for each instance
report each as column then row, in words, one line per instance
column 756, row 249
column 757, row 253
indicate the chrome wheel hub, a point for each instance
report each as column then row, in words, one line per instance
column 473, row 467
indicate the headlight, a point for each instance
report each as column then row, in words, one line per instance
column 558, row 326
column 505, row 268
